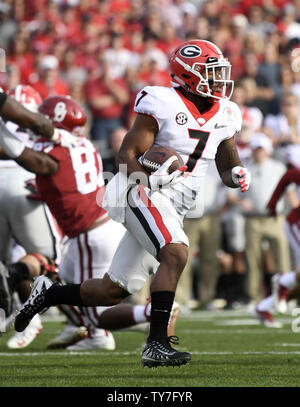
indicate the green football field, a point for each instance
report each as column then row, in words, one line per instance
column 229, row 349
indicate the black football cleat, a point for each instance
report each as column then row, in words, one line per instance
column 157, row 354
column 5, row 294
column 35, row 303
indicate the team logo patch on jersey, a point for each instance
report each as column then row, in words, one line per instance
column 190, row 51
column 229, row 113
column 181, row 118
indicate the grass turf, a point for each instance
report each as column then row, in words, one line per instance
column 229, row 349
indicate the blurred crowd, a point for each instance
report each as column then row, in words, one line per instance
column 102, row 52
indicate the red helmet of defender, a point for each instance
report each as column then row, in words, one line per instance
column 200, row 67
column 27, row 96
column 64, row 112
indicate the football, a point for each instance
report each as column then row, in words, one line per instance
column 153, row 158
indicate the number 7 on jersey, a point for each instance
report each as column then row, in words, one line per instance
column 202, row 136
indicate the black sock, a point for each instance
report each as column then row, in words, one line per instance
column 68, row 294
column 161, row 305
column 17, row 272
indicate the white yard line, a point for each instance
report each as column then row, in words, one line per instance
column 70, row 353
column 215, row 314
column 246, row 353
column 297, row 345
column 134, row 353
column 241, row 331
column 236, row 322
column 194, row 315
column 247, row 321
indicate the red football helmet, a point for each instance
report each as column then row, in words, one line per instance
column 64, row 112
column 27, row 96
column 200, row 67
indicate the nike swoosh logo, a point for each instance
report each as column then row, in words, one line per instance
column 220, row 126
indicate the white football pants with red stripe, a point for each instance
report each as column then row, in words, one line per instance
column 87, row 256
column 151, row 222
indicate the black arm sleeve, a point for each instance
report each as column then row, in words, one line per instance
column 3, row 97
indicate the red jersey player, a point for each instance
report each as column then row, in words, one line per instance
column 72, row 189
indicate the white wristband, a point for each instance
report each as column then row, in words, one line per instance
column 12, row 146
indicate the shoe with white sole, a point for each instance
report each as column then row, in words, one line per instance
column 279, row 293
column 266, row 318
column 100, row 339
column 68, row 336
column 35, row 304
column 22, row 339
column 160, row 353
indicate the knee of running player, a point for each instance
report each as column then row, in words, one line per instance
column 102, row 292
column 173, row 257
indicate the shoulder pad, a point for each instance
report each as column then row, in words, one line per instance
column 233, row 115
column 145, row 101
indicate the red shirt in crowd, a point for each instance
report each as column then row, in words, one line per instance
column 95, row 88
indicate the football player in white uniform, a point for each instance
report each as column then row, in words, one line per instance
column 195, row 118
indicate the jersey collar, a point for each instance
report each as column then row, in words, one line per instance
column 207, row 115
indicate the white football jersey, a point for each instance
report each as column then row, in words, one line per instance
column 21, row 135
column 194, row 135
